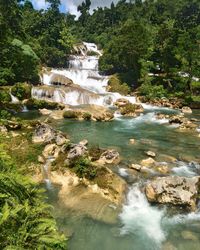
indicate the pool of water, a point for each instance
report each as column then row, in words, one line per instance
column 140, row 226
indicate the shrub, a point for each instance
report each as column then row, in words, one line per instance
column 21, row 91
column 92, row 53
column 115, row 85
column 128, row 109
column 87, row 116
column 41, row 104
column 70, row 114
column 4, row 114
column 84, row 168
column 5, row 96
column 152, row 91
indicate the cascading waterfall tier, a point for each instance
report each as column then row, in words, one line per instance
column 82, row 71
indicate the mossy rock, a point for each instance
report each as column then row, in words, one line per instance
column 128, row 109
column 71, row 114
column 21, row 91
column 115, row 85
column 34, row 104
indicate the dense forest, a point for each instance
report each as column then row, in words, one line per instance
column 153, row 45
column 150, row 48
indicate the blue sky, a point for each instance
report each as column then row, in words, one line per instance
column 71, row 5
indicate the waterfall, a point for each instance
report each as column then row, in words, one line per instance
column 46, row 172
column 14, row 99
column 83, row 71
column 140, row 218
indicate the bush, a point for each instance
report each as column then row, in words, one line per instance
column 4, row 114
column 21, row 91
column 87, row 116
column 32, row 104
column 5, row 96
column 70, row 114
column 84, row 168
column 128, row 109
column 115, row 85
column 152, row 91
column 92, row 53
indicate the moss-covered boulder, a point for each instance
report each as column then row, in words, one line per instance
column 33, row 104
column 21, row 91
column 116, row 85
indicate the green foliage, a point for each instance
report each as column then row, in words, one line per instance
column 32, row 104
column 70, row 114
column 84, row 168
column 87, row 116
column 4, row 114
column 5, row 95
column 21, row 91
column 115, row 85
column 128, row 109
column 152, row 92
column 25, row 220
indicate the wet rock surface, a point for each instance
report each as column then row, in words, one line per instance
column 174, row 190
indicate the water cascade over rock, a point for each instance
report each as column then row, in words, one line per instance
column 80, row 84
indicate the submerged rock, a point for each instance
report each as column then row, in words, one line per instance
column 174, row 190
column 188, row 235
column 132, row 141
column 151, row 154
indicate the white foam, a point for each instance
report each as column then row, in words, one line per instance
column 140, row 218
column 186, row 169
column 123, row 172
column 14, row 99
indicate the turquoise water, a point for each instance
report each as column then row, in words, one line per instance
column 140, row 226
column 148, row 133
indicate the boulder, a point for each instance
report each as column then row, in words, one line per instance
column 89, row 112
column 60, row 139
column 44, row 134
column 109, row 157
column 130, row 109
column 186, row 110
column 84, row 142
column 148, row 162
column 136, row 167
column 121, row 102
column 45, row 111
column 174, row 190
column 77, row 151
column 51, row 150
column 177, row 119
column 132, row 141
column 151, row 154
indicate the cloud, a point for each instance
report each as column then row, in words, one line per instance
column 71, row 5
column 40, row 4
